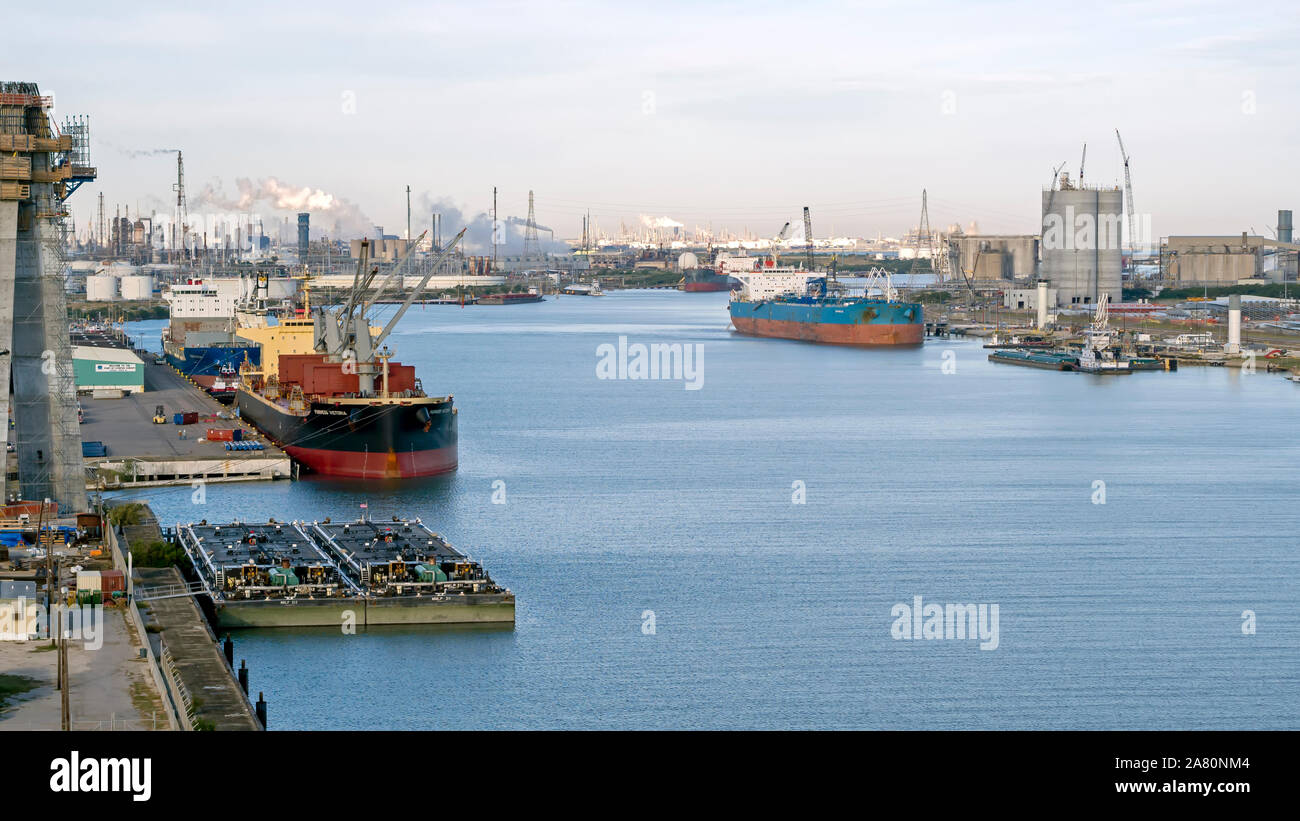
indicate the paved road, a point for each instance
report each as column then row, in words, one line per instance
column 109, row 687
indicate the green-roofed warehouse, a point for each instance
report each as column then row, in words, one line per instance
column 107, row 369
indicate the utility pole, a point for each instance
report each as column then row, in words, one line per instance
column 494, row 229
column 408, row 216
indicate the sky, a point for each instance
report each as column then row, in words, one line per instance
column 729, row 115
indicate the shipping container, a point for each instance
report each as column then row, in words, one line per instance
column 220, row 435
column 90, row 523
column 93, row 450
column 90, row 580
column 113, row 581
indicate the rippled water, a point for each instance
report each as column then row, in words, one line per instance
column 968, row 487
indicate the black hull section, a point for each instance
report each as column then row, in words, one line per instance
column 385, row 440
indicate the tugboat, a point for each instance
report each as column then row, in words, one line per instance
column 1097, row 355
column 225, row 385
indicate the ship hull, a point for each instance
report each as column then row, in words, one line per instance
column 698, row 287
column 705, row 280
column 862, row 323
column 379, row 440
column 202, row 365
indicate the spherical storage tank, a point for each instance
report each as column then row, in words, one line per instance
column 137, row 287
column 101, row 288
column 688, row 261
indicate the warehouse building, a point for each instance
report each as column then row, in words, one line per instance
column 107, row 369
column 1227, row 260
column 993, row 257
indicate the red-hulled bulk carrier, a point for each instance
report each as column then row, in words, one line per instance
column 335, row 401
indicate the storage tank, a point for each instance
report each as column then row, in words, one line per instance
column 137, row 287
column 687, row 261
column 101, row 288
column 1082, row 242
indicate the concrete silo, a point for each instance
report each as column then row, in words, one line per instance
column 1082, row 242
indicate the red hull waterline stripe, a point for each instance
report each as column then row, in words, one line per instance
column 699, row 287
column 362, row 465
column 835, row 334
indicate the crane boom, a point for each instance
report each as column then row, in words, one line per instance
column 415, row 292
column 1128, row 191
column 807, row 236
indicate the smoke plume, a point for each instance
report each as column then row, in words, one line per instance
column 279, row 196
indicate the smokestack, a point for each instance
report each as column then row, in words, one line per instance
column 304, row 235
column 1234, row 325
column 1042, row 304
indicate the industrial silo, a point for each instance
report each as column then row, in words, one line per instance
column 137, row 287
column 101, row 288
column 1082, row 242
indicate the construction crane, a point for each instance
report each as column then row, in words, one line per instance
column 807, row 236
column 1128, row 192
column 782, row 236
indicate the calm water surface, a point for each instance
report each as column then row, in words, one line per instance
column 968, row 487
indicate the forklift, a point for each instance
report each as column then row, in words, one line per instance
column 159, row 418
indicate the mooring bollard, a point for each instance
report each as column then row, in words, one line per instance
column 230, row 651
column 261, row 709
column 243, row 675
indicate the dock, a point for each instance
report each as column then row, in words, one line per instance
column 196, row 681
column 140, row 453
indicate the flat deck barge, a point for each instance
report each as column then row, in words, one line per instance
column 288, row 574
column 403, row 564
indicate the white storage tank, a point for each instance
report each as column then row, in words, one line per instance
column 137, row 287
column 101, row 288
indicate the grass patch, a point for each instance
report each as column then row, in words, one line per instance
column 158, row 554
column 12, row 686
